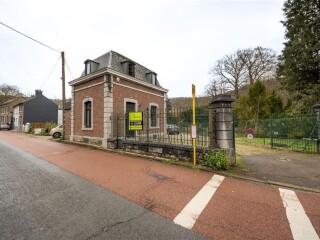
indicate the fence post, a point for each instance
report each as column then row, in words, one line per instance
column 117, row 129
column 234, row 137
column 148, row 124
column 316, row 108
column 271, row 132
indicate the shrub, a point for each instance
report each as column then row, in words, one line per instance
column 31, row 128
column 45, row 127
column 49, row 126
column 217, row 160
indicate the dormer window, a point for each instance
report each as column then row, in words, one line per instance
column 90, row 66
column 128, row 68
column 131, row 69
column 151, row 78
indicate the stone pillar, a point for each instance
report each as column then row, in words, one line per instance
column 221, row 124
column 108, row 109
column 221, row 121
column 316, row 108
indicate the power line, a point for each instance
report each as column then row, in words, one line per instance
column 29, row 37
column 54, row 67
column 69, row 69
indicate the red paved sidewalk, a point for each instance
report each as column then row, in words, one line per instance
column 238, row 210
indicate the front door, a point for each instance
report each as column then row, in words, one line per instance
column 130, row 107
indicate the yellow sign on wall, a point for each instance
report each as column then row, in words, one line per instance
column 135, row 121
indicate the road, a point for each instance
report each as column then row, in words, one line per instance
column 214, row 206
column 41, row 201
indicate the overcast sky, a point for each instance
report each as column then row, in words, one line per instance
column 180, row 40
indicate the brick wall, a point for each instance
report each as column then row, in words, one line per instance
column 144, row 97
column 96, row 93
column 121, row 89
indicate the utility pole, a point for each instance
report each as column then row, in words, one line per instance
column 63, row 94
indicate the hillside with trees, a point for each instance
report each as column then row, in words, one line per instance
column 8, row 92
column 271, row 85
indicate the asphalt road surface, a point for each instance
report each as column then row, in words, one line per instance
column 41, row 201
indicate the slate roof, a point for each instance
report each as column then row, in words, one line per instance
column 14, row 100
column 113, row 60
column 8, row 101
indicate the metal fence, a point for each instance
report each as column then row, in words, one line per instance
column 296, row 133
column 171, row 126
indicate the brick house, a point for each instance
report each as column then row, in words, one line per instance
column 6, row 110
column 37, row 109
column 112, row 85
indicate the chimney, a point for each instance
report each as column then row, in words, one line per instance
column 38, row 92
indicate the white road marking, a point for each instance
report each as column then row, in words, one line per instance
column 188, row 216
column 300, row 224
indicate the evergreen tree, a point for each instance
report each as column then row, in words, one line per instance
column 299, row 68
column 254, row 106
column 275, row 103
column 258, row 104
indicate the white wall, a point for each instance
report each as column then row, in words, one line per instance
column 60, row 116
column 16, row 118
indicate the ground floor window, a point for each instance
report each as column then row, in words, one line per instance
column 87, row 113
column 154, row 115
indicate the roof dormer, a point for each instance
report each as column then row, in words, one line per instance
column 151, row 77
column 129, row 68
column 90, row 66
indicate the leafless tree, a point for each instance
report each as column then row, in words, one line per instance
column 215, row 87
column 229, row 72
column 8, row 91
column 240, row 68
column 260, row 63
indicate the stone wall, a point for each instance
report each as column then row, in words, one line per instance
column 183, row 153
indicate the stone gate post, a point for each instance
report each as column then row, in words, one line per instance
column 221, row 125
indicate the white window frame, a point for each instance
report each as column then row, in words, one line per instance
column 88, row 68
column 157, row 115
column 131, row 100
column 153, row 79
column 83, row 113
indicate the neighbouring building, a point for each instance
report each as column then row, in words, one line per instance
column 67, row 117
column 37, row 109
column 111, row 86
column 6, row 110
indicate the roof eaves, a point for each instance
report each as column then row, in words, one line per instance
column 112, row 71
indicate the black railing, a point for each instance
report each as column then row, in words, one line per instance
column 164, row 126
